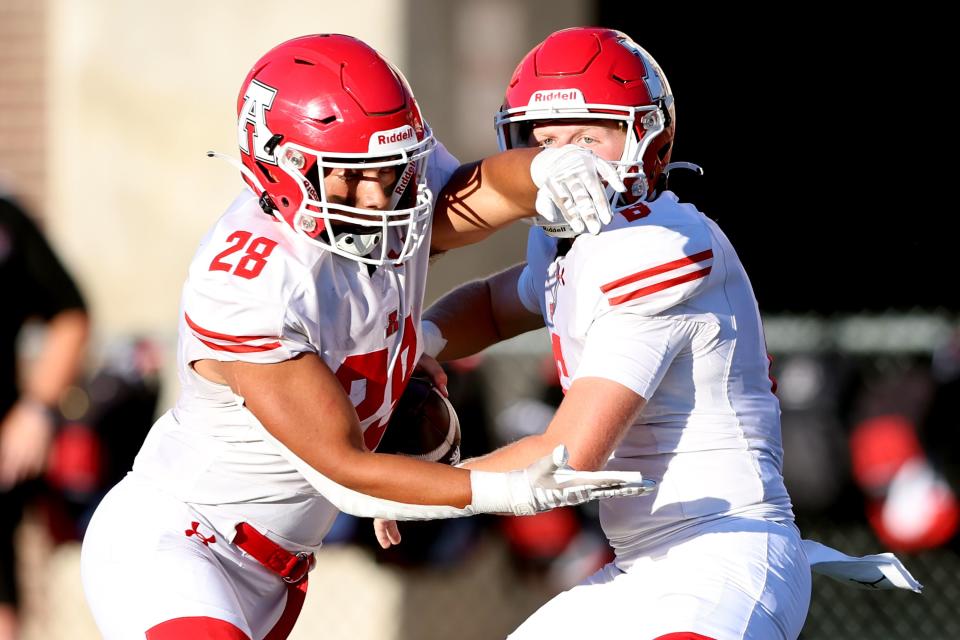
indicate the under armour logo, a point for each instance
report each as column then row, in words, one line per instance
column 195, row 532
column 393, row 324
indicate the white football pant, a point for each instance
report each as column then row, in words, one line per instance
column 729, row 580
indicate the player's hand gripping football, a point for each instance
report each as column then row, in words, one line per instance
column 428, row 367
column 571, row 187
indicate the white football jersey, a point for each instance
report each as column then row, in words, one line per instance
column 660, row 303
column 256, row 292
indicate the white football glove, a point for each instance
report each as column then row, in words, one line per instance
column 571, row 190
column 549, row 483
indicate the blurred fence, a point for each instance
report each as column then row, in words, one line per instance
column 837, row 611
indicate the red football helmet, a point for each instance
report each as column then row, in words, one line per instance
column 329, row 101
column 596, row 74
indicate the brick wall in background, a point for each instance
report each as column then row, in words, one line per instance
column 22, row 107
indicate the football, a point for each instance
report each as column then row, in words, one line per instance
column 424, row 425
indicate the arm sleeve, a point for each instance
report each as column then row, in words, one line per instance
column 633, row 350
column 527, row 292
column 361, row 505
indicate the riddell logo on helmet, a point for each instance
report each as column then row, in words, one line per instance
column 557, row 95
column 392, row 138
column 405, row 178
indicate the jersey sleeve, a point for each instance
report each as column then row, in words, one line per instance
column 650, row 269
column 440, row 167
column 261, row 320
column 633, row 350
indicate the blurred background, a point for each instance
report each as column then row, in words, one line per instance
column 822, row 163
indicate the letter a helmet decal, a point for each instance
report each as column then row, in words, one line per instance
column 256, row 102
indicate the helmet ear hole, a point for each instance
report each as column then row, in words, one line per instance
column 285, row 201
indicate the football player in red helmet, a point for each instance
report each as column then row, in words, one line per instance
column 321, row 119
column 660, row 351
column 299, row 329
column 602, row 77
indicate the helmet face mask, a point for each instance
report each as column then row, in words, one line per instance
column 355, row 232
column 326, row 103
column 596, row 74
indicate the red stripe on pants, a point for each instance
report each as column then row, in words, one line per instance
column 195, row 627
column 215, row 629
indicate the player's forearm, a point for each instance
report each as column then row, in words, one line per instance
column 403, row 479
column 302, row 405
column 515, row 455
column 591, row 421
column 479, row 314
column 482, row 197
column 60, row 357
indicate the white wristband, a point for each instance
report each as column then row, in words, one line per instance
column 491, row 492
column 501, row 493
column 433, row 340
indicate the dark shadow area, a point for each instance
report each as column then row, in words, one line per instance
column 820, row 136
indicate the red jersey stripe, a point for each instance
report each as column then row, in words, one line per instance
column 652, row 271
column 220, row 336
column 660, row 286
column 240, row 348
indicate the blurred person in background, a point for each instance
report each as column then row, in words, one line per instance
column 658, row 344
column 299, row 329
column 33, row 285
column 106, row 418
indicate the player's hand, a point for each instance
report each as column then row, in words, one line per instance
column 553, row 483
column 571, row 187
column 25, row 437
column 387, row 532
column 428, row 367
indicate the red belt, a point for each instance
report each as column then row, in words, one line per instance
column 291, row 567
